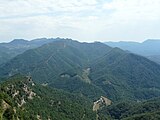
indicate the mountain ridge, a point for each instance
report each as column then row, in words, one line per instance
column 139, row 48
column 21, row 98
column 18, row 46
column 112, row 71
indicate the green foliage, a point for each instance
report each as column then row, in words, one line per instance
column 47, row 63
column 18, row 46
column 145, row 116
column 48, row 102
column 114, row 73
column 129, row 110
column 126, row 76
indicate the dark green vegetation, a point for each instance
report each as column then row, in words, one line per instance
column 18, row 46
column 125, row 75
column 60, row 64
column 89, row 69
column 129, row 110
column 23, row 99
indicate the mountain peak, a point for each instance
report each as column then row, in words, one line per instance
column 19, row 41
column 151, row 41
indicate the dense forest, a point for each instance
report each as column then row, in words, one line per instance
column 21, row 98
column 62, row 79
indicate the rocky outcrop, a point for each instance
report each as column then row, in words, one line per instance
column 103, row 101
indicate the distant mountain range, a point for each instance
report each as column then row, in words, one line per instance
column 149, row 48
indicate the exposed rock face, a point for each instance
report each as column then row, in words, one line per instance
column 21, row 91
column 16, row 93
column 106, row 100
column 21, row 103
column 31, row 95
column 65, row 76
column 103, row 101
column 85, row 75
column 4, row 105
column 39, row 117
column 6, row 108
column 44, row 84
column 30, row 80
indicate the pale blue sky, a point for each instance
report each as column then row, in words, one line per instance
column 83, row 20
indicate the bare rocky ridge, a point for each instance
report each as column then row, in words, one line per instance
column 103, row 101
column 21, row 93
column 21, row 98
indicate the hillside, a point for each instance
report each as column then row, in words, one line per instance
column 21, row 98
column 60, row 64
column 155, row 58
column 149, row 48
column 128, row 110
column 89, row 69
column 122, row 75
column 18, row 46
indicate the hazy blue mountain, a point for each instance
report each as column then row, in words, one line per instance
column 155, row 58
column 147, row 48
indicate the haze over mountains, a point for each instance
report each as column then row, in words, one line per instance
column 149, row 48
column 87, row 70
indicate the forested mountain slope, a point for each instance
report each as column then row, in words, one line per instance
column 90, row 69
column 21, row 98
column 149, row 48
column 123, row 74
column 18, row 46
column 129, row 110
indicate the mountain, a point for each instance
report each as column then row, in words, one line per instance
column 155, row 58
column 146, row 48
column 18, row 46
column 125, row 75
column 61, row 64
column 129, row 110
column 149, row 48
column 21, row 98
column 89, row 69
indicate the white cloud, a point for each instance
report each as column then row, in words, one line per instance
column 134, row 9
column 29, row 7
column 85, row 20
